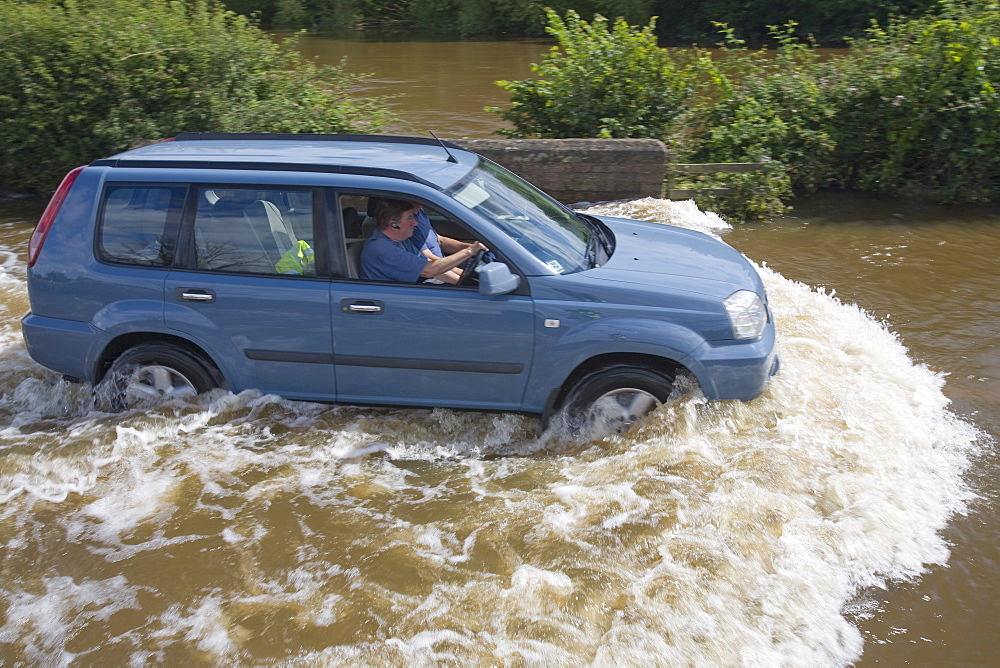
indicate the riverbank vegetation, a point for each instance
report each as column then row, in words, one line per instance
column 912, row 109
column 682, row 22
column 82, row 79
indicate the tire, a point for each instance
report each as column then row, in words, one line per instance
column 612, row 399
column 153, row 372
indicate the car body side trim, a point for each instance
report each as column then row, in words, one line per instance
column 428, row 365
column 286, row 356
column 383, row 362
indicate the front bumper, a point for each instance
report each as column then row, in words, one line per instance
column 736, row 370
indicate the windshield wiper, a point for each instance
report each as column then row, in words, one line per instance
column 597, row 229
column 591, row 253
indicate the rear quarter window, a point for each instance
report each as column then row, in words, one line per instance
column 139, row 224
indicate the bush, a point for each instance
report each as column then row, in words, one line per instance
column 604, row 79
column 912, row 110
column 614, row 81
column 769, row 106
column 919, row 109
column 829, row 21
column 84, row 79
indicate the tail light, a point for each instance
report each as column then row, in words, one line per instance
column 45, row 222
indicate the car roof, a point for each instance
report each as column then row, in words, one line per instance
column 437, row 163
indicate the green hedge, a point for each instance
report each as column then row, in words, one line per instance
column 919, row 106
column 913, row 109
column 827, row 21
column 83, row 79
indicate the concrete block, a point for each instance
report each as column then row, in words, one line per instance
column 581, row 170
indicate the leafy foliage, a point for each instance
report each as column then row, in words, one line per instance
column 746, row 196
column 604, row 79
column 828, row 21
column 913, row 108
column 919, row 108
column 84, row 79
column 767, row 106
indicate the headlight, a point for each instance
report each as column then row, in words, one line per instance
column 746, row 314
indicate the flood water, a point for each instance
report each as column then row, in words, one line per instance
column 433, row 86
column 848, row 515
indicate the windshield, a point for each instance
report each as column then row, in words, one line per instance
column 541, row 225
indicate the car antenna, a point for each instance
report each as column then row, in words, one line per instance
column 451, row 158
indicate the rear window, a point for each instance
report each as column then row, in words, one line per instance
column 139, row 224
column 249, row 230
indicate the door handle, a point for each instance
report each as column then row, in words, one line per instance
column 361, row 306
column 195, row 295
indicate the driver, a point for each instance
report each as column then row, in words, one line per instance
column 391, row 255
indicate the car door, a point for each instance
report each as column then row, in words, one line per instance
column 252, row 293
column 430, row 345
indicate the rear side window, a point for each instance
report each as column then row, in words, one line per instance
column 139, row 224
column 254, row 231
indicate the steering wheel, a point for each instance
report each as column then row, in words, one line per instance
column 470, row 268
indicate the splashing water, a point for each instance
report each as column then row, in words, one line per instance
column 248, row 529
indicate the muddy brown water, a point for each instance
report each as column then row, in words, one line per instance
column 848, row 515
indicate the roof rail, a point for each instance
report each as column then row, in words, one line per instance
column 286, row 136
column 266, row 166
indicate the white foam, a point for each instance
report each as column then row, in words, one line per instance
column 680, row 214
column 44, row 622
column 204, row 625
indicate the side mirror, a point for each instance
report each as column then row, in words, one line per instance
column 496, row 278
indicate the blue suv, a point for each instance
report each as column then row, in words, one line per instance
column 232, row 261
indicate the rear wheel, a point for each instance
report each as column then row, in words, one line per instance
column 155, row 372
column 612, row 399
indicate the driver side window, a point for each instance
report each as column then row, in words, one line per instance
column 386, row 240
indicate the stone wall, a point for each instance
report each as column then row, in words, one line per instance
column 581, row 170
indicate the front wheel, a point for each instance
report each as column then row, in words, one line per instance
column 155, row 372
column 613, row 399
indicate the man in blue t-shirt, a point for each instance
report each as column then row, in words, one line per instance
column 390, row 254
